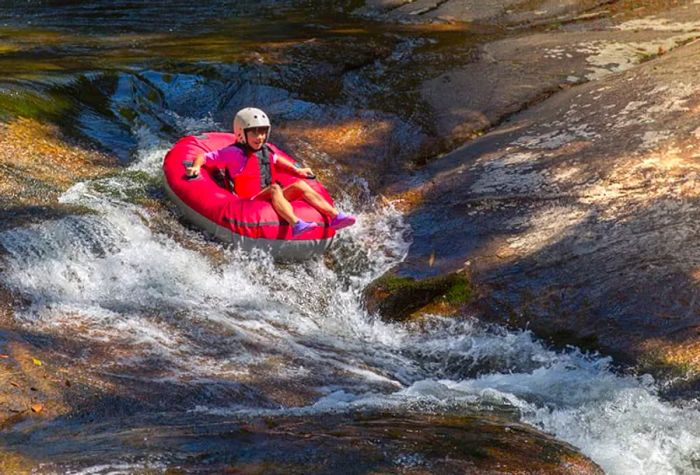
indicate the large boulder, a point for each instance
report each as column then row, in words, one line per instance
column 578, row 217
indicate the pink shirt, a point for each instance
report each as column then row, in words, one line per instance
column 231, row 157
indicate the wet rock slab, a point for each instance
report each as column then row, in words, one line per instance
column 515, row 73
column 38, row 163
column 496, row 11
column 512, row 74
column 555, row 45
column 326, row 443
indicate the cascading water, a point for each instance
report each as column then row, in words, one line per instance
column 179, row 316
column 195, row 329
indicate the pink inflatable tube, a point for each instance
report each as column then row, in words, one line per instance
column 247, row 223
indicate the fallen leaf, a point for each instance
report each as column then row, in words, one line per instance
column 4, row 357
column 14, row 384
column 37, row 407
column 36, row 362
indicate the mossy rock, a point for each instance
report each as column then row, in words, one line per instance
column 402, row 298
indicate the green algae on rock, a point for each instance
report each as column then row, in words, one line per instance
column 402, row 298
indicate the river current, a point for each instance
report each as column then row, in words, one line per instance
column 200, row 331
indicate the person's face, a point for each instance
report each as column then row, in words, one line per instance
column 255, row 137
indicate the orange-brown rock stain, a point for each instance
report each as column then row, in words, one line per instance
column 38, row 163
column 29, row 148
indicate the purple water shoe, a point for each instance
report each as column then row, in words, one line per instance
column 302, row 226
column 342, row 221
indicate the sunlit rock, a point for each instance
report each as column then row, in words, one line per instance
column 579, row 215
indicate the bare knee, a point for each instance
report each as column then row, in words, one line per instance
column 275, row 189
column 304, row 187
column 299, row 186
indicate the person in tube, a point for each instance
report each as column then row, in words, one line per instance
column 251, row 163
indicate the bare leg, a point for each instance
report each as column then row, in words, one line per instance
column 311, row 196
column 279, row 202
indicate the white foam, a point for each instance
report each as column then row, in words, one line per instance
column 119, row 468
column 619, row 421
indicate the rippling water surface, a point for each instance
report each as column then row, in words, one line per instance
column 195, row 332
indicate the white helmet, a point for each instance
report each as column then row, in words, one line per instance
column 248, row 118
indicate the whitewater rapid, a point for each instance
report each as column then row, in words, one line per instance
column 206, row 312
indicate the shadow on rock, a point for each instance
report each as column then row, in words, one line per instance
column 577, row 218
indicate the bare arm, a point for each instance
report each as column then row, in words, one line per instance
column 290, row 166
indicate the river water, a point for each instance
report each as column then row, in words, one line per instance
column 190, row 331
